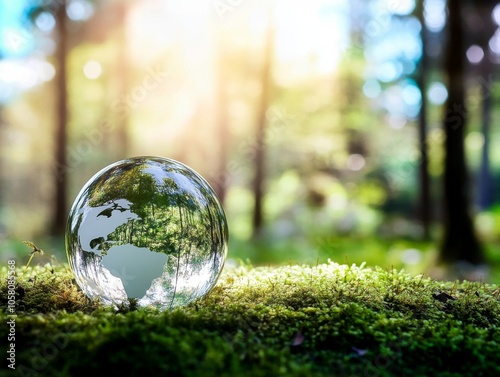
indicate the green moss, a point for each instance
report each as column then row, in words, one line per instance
column 325, row 320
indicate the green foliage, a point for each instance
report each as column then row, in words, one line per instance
column 321, row 320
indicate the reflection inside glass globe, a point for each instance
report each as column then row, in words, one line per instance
column 147, row 228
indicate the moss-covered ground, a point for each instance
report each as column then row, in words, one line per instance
column 324, row 320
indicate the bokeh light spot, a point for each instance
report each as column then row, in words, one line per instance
column 437, row 93
column 435, row 15
column 411, row 256
column 92, row 70
column 475, row 54
column 79, row 10
column 372, row 89
column 355, row 162
column 45, row 22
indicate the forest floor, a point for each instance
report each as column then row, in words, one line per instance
column 323, row 320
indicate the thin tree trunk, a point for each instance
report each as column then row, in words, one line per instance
column 485, row 179
column 59, row 207
column 485, row 183
column 222, row 179
column 424, row 201
column 460, row 242
column 259, row 163
column 123, row 72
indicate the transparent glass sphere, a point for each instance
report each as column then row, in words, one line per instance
column 147, row 228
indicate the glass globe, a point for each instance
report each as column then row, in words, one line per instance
column 149, row 229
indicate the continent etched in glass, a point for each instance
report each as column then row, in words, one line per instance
column 149, row 229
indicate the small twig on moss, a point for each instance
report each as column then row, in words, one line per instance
column 36, row 250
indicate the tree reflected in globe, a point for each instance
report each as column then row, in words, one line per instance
column 147, row 228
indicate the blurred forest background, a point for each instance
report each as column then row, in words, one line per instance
column 355, row 130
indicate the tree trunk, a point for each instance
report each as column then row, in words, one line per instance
column 123, row 72
column 460, row 242
column 259, row 163
column 59, row 206
column 222, row 178
column 485, row 181
column 424, row 200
